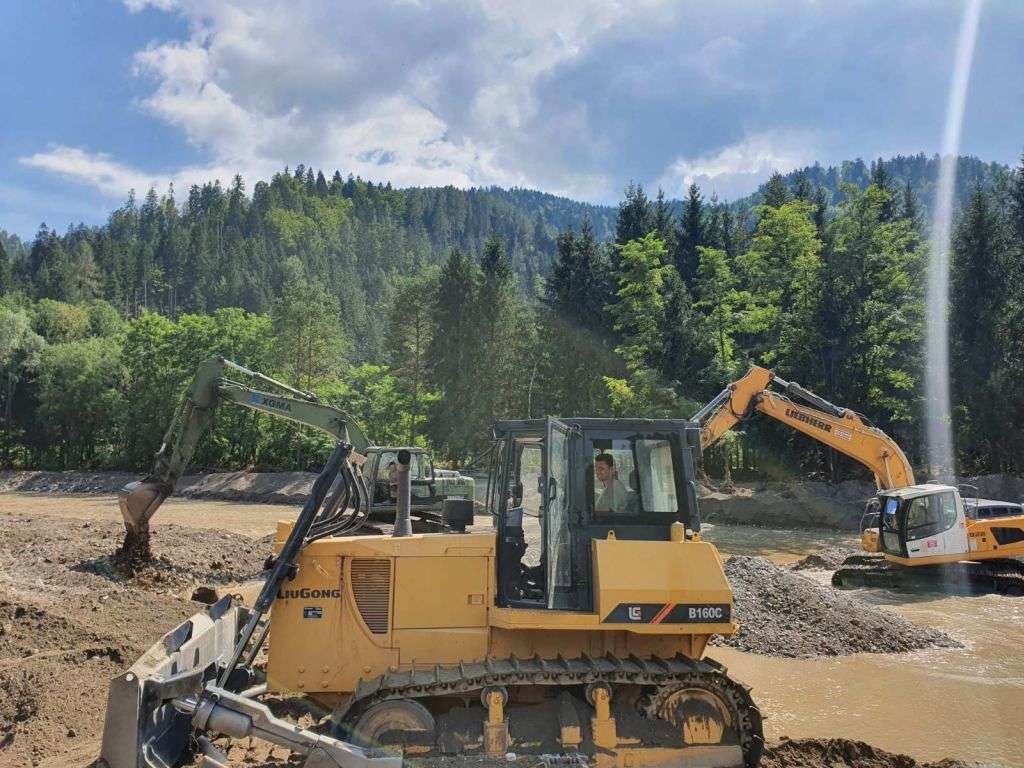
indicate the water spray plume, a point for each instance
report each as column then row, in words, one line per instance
column 939, row 434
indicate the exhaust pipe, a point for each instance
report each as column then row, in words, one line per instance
column 403, row 518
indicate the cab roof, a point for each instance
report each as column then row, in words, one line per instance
column 913, row 491
column 594, row 423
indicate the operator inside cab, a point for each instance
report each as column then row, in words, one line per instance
column 612, row 496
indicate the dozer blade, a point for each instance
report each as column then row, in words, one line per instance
column 169, row 704
column 139, row 502
column 142, row 728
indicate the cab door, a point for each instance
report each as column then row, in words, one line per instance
column 933, row 525
column 557, row 515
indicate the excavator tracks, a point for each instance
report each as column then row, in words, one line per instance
column 1000, row 577
column 690, row 695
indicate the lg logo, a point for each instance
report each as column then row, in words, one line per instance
column 634, row 613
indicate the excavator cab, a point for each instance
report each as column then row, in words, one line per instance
column 922, row 521
column 556, row 485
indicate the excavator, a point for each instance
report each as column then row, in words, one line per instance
column 436, row 493
column 928, row 534
column 542, row 634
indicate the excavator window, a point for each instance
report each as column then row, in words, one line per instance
column 930, row 515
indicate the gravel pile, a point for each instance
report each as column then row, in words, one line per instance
column 783, row 613
column 828, row 559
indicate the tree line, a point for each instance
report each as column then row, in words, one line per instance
column 427, row 314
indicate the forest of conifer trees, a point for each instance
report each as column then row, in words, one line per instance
column 428, row 313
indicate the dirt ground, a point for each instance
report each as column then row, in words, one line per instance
column 69, row 621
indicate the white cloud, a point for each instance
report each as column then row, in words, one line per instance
column 101, row 171
column 574, row 97
column 415, row 93
column 738, row 169
column 115, row 179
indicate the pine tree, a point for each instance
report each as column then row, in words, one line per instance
column 687, row 351
column 691, row 235
column 880, row 178
column 639, row 308
column 406, row 344
column 639, row 311
column 1016, row 194
column 776, row 193
column 321, row 185
column 307, row 331
column 6, row 271
column 802, row 188
column 719, row 301
column 495, row 313
column 910, row 208
column 664, row 226
column 636, row 216
column 978, row 285
column 452, row 356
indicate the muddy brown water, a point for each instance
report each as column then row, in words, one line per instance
column 931, row 704
column 966, row 703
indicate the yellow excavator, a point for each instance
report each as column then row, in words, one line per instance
column 576, row 625
column 911, row 524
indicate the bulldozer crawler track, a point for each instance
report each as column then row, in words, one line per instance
column 663, row 674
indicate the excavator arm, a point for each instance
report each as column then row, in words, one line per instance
column 840, row 428
column 210, row 386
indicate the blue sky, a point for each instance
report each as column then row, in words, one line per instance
column 576, row 98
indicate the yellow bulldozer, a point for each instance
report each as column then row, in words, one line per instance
column 592, row 595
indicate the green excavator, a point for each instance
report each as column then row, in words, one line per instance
column 437, row 494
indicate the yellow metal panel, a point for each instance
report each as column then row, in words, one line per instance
column 417, row 545
column 550, row 643
column 668, row 572
column 318, row 642
column 441, row 646
column 447, row 591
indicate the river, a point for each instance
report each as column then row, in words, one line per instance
column 966, row 703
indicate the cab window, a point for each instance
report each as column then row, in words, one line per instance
column 930, row 515
column 633, row 477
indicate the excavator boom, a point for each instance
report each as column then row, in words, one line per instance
column 839, row 428
column 140, row 500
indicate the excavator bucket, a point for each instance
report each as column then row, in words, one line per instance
column 139, row 501
column 143, row 728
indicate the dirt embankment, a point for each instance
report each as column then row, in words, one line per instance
column 69, row 621
column 783, row 613
column 262, row 487
column 812, row 504
column 775, row 504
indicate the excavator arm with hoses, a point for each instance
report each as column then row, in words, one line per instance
column 211, row 385
column 839, row 428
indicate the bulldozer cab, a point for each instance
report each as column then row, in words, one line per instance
column 555, row 485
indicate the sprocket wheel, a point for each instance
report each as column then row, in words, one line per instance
column 394, row 715
column 711, row 709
